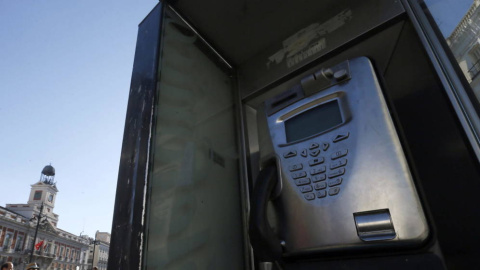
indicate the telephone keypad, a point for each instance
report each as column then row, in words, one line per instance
column 297, row 175
column 316, row 161
column 334, row 191
column 321, row 185
column 316, row 179
column 318, row 170
column 304, row 189
column 290, row 154
column 303, row 181
column 336, row 173
column 314, row 153
column 295, row 167
column 341, row 137
column 339, row 154
column 325, row 146
column 321, row 194
column 339, row 163
column 313, row 146
column 335, row 182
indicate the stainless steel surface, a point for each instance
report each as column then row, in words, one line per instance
column 374, row 225
column 325, row 78
column 453, row 87
column 375, row 177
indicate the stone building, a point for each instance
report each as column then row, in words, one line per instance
column 99, row 251
column 465, row 45
column 29, row 232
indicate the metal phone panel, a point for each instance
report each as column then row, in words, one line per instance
column 332, row 181
column 346, row 21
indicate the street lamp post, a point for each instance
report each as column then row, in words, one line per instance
column 39, row 217
column 94, row 245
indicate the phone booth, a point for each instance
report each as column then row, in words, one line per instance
column 299, row 135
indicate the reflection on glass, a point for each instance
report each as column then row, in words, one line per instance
column 459, row 21
column 194, row 218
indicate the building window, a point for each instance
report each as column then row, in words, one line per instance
column 8, row 240
column 38, row 195
column 475, row 56
column 19, row 243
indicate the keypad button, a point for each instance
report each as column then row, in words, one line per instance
column 339, row 154
column 321, row 193
column 290, row 154
column 316, row 161
column 339, row 163
column 318, row 178
column 333, row 191
column 314, row 153
column 295, row 167
column 305, row 189
column 309, row 196
column 297, row 175
column 313, row 146
column 318, row 170
column 341, row 137
column 325, row 146
column 321, row 185
column 303, row 181
column 304, row 153
column 335, row 182
column 336, row 173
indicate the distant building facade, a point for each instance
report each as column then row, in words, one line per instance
column 98, row 251
column 465, row 44
column 54, row 248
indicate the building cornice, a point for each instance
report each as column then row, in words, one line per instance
column 464, row 22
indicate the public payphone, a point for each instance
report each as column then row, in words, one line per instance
column 316, row 135
column 342, row 181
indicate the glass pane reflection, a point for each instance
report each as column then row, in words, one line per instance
column 459, row 22
column 194, row 219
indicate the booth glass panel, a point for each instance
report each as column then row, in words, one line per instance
column 459, row 23
column 194, row 218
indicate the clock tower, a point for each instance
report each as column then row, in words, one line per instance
column 45, row 191
column 42, row 192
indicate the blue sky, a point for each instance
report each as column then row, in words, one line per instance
column 448, row 13
column 65, row 69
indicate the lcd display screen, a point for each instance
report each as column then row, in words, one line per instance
column 313, row 121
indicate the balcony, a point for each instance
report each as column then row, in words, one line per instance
column 10, row 250
column 474, row 70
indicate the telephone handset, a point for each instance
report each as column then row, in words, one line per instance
column 335, row 169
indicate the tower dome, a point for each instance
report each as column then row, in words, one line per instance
column 48, row 170
column 48, row 175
